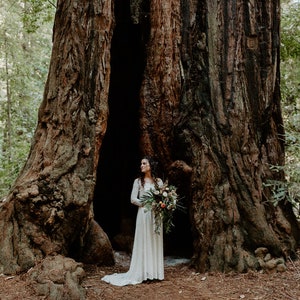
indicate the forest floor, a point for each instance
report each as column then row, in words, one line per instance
column 181, row 282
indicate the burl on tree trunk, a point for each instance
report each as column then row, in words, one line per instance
column 209, row 101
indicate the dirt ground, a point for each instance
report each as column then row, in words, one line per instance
column 181, row 282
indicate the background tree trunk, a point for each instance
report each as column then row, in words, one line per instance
column 6, row 148
column 209, row 111
column 49, row 209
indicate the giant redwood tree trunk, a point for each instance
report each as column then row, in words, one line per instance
column 49, row 209
column 209, row 99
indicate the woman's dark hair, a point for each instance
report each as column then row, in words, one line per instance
column 154, row 169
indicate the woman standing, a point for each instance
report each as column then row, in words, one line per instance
column 147, row 261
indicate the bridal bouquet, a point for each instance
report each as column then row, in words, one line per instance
column 162, row 201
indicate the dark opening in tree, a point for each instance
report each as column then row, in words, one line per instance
column 120, row 153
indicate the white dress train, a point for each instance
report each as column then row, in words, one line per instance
column 147, row 260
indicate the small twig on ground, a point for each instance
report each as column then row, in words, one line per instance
column 295, row 267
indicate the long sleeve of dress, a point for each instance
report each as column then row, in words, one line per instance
column 135, row 193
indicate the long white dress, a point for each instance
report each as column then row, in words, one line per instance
column 147, row 260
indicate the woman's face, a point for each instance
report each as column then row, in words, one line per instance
column 145, row 166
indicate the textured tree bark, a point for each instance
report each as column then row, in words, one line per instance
column 219, row 111
column 49, row 209
column 161, row 88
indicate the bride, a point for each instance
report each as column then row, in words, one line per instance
column 147, row 260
